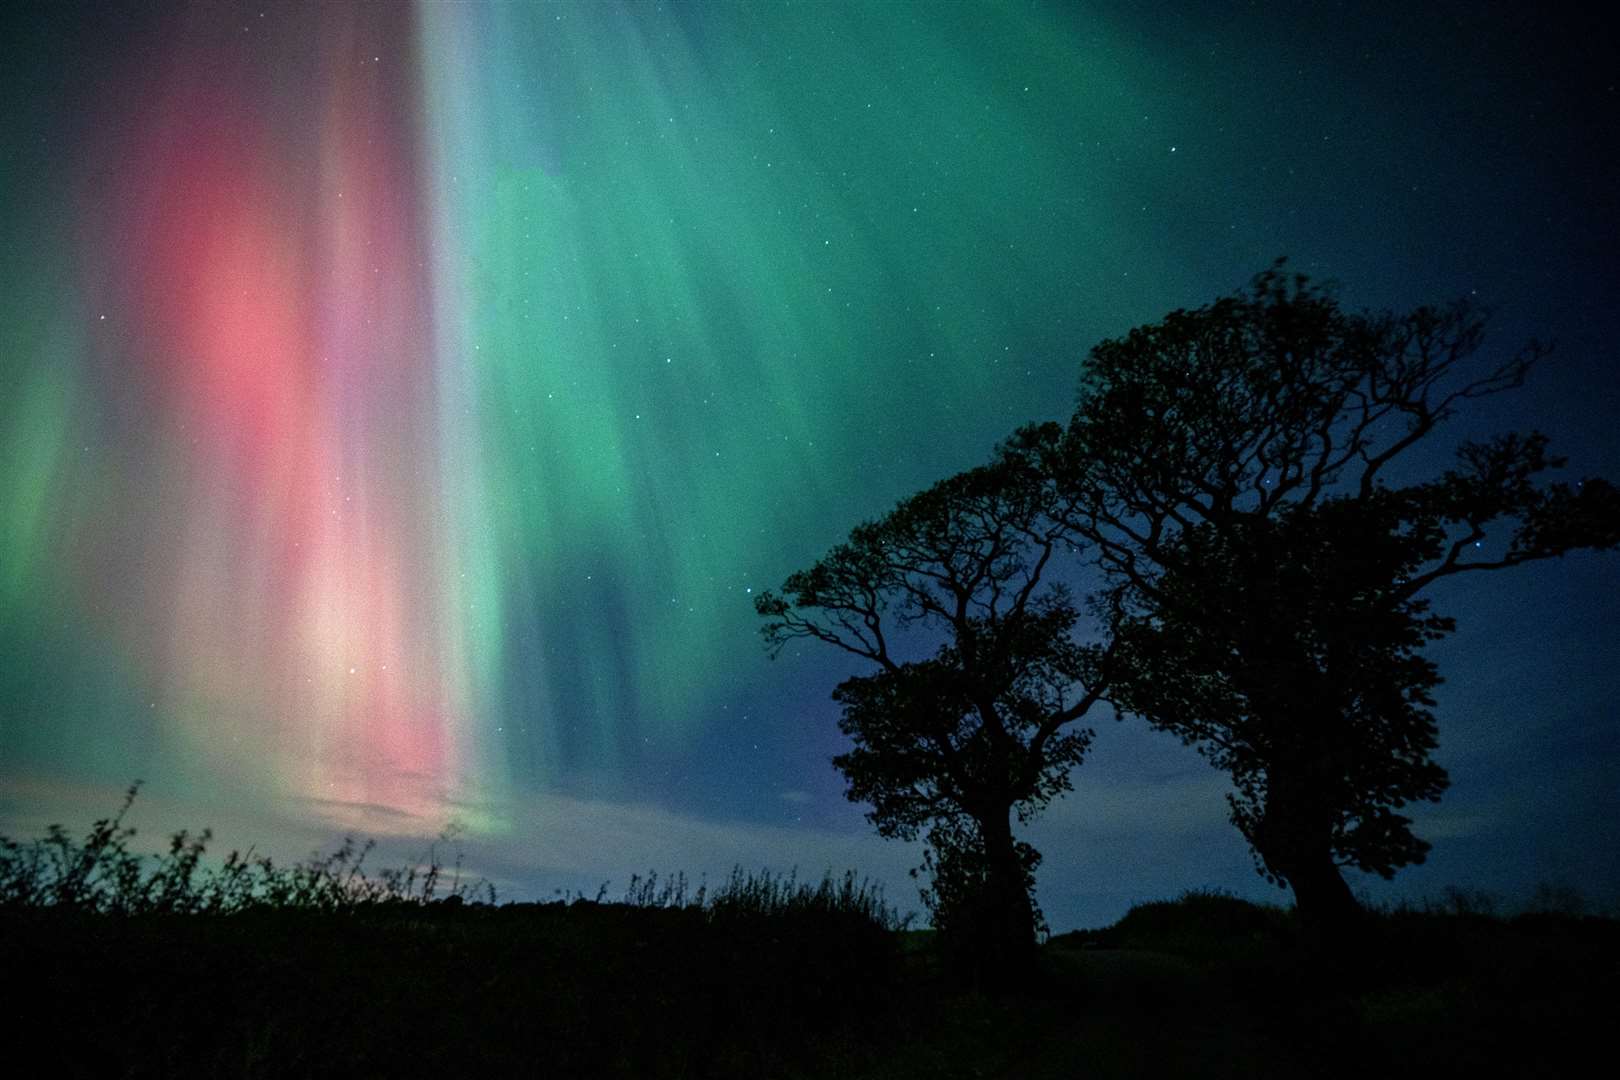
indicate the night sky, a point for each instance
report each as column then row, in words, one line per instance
column 401, row 403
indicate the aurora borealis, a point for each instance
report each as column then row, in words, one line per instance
column 403, row 399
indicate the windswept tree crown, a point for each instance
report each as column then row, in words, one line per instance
column 1234, row 468
column 978, row 670
column 1278, row 396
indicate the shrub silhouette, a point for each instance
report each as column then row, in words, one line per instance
column 163, row 965
column 101, row 874
column 758, row 975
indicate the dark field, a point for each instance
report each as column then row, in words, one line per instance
column 123, row 965
column 1203, row 986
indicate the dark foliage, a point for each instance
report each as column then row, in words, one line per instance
column 1283, row 648
column 101, row 875
column 1436, row 990
column 322, row 974
column 970, row 713
column 1200, row 925
column 1230, row 466
column 766, row 976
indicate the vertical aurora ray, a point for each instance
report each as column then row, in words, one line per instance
column 464, row 365
column 273, row 562
column 689, row 313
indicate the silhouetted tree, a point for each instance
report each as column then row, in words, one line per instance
column 969, row 713
column 1228, row 466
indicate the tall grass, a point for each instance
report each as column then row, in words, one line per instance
column 101, row 874
column 331, row 969
column 767, row 895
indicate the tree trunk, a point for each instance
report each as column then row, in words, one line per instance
column 1007, row 936
column 1294, row 836
column 1321, row 894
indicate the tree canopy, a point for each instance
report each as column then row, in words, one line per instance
column 1245, row 488
column 977, row 678
column 1230, row 467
